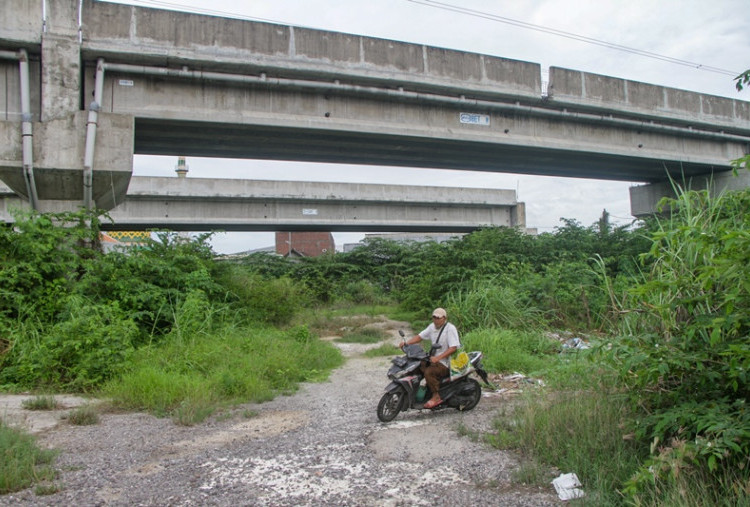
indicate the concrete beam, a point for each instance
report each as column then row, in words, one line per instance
column 194, row 204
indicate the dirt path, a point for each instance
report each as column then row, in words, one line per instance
column 322, row 446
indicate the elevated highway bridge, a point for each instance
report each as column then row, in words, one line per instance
column 203, row 204
column 87, row 87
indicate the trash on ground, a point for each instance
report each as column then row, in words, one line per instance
column 511, row 384
column 576, row 343
column 568, row 486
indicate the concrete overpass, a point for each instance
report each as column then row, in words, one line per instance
column 87, row 88
column 201, row 204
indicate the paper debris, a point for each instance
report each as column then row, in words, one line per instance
column 568, row 486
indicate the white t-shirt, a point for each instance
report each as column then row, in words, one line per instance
column 448, row 339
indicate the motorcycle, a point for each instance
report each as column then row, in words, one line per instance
column 405, row 391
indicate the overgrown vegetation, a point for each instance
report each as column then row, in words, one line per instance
column 655, row 413
column 23, row 461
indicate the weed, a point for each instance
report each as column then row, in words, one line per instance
column 532, row 473
column 224, row 416
column 42, row 402
column 47, row 489
column 577, row 431
column 85, row 415
column 191, row 412
column 366, row 335
column 465, row 431
column 23, row 462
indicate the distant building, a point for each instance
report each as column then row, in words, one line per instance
column 304, row 244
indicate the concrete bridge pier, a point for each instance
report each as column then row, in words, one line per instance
column 644, row 199
column 47, row 136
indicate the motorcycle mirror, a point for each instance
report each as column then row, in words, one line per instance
column 401, row 332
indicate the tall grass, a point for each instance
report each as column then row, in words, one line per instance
column 189, row 378
column 22, row 462
column 489, row 304
column 507, row 350
column 575, row 431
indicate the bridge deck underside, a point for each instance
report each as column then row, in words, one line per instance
column 202, row 139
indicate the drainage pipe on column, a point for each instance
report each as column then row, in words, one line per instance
column 27, row 152
column 26, row 131
column 88, row 157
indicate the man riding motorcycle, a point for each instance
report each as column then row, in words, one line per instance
column 445, row 341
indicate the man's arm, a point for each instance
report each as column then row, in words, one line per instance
column 414, row 339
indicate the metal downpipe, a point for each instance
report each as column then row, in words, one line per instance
column 27, row 136
column 88, row 157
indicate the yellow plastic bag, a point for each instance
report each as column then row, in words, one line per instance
column 459, row 362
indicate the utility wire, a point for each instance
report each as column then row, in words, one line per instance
column 560, row 33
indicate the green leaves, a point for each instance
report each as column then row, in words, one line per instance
column 685, row 353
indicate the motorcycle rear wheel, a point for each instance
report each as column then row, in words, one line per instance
column 476, row 395
column 390, row 405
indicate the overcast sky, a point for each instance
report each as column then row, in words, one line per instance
column 707, row 34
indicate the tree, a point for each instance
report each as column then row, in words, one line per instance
column 742, row 162
column 742, row 80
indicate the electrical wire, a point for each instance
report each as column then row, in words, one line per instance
column 560, row 33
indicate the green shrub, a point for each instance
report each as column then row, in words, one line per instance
column 360, row 292
column 88, row 345
column 685, row 354
column 259, row 299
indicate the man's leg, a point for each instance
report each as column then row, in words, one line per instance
column 433, row 374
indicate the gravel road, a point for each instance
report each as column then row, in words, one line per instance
column 322, row 446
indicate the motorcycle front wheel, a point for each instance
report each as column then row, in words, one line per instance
column 390, row 405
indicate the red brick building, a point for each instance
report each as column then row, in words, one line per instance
column 304, row 244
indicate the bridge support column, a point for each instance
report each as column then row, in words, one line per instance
column 645, row 198
column 518, row 216
column 75, row 157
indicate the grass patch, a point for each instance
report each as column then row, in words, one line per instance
column 366, row 335
column 532, row 473
column 85, row 415
column 47, row 489
column 574, row 431
column 510, row 350
column 23, row 463
column 384, row 350
column 189, row 379
column 191, row 412
column 42, row 402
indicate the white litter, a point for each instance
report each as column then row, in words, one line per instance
column 568, row 486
